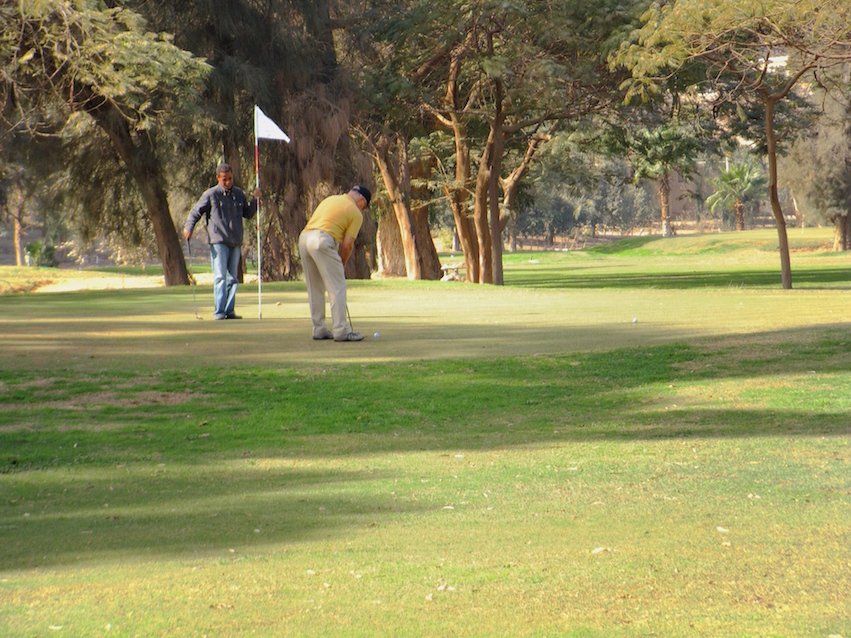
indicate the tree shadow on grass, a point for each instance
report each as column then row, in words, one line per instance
column 68, row 418
column 109, row 473
column 104, row 516
column 561, row 277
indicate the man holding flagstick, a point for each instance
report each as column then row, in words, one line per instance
column 224, row 207
column 264, row 128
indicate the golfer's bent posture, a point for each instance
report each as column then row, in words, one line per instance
column 225, row 206
column 325, row 245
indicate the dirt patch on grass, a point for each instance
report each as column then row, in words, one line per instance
column 118, row 282
column 149, row 398
column 105, row 282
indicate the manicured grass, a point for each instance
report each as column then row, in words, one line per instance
column 518, row 461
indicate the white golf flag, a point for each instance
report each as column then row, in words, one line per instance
column 265, row 128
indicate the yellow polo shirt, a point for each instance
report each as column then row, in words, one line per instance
column 338, row 216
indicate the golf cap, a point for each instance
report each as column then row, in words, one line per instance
column 363, row 190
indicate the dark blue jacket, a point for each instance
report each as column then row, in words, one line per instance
column 225, row 212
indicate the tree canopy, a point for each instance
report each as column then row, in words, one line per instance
column 86, row 57
column 456, row 101
column 738, row 53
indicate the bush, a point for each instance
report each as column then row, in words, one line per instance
column 40, row 254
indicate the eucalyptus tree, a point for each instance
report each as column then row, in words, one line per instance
column 395, row 133
column 498, row 75
column 287, row 57
column 89, row 58
column 754, row 52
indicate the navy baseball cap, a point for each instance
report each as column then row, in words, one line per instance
column 363, row 190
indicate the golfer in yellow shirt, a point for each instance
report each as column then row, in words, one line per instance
column 325, row 245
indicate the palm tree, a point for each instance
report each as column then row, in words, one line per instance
column 734, row 187
column 657, row 154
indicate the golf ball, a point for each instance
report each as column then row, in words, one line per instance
column 635, row 320
column 375, row 335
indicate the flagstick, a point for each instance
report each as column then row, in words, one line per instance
column 259, row 247
column 266, row 129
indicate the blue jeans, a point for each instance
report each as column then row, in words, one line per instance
column 225, row 270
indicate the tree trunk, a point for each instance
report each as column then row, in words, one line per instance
column 847, row 243
column 458, row 194
column 18, row 223
column 420, row 195
column 665, row 204
column 458, row 197
column 776, row 208
column 510, row 183
column 139, row 156
column 480, row 211
column 840, row 223
column 391, row 255
column 493, row 186
column 358, row 265
column 393, row 182
column 318, row 23
column 739, row 208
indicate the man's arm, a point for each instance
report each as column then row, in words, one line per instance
column 346, row 248
column 251, row 209
column 201, row 208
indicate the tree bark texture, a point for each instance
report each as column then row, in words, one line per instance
column 359, row 265
column 394, row 171
column 18, row 232
column 664, row 186
column 391, row 260
column 427, row 255
column 458, row 192
column 773, row 196
column 840, row 233
column 739, row 208
column 480, row 210
column 495, row 169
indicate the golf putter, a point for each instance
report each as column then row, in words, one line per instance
column 192, row 280
column 351, row 325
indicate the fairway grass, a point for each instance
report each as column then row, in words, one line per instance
column 518, row 461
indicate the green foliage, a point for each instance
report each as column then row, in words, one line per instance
column 104, row 53
column 738, row 42
column 571, row 188
column 818, row 167
column 40, row 254
column 659, row 152
column 64, row 60
column 736, row 185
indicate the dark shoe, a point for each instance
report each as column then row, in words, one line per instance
column 234, row 316
column 323, row 337
column 219, row 317
column 352, row 336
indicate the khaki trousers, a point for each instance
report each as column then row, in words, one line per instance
column 323, row 270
